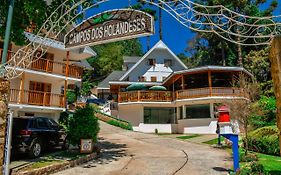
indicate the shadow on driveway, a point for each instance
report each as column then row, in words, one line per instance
column 109, row 152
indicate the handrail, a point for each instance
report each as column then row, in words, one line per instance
column 36, row 98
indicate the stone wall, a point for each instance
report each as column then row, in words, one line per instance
column 4, row 97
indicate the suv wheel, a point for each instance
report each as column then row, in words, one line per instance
column 35, row 149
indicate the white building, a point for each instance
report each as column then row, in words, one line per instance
column 188, row 104
column 40, row 90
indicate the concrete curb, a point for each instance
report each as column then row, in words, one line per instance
column 56, row 167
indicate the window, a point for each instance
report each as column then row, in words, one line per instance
column 167, row 62
column 142, row 78
column 153, row 79
column 42, row 123
column 159, row 115
column 198, row 111
column 151, row 62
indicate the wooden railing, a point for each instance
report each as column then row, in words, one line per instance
column 50, row 66
column 36, row 98
column 209, row 92
column 167, row 96
column 145, row 96
column 56, row 67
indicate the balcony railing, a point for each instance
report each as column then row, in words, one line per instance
column 36, row 98
column 167, row 96
column 145, row 96
column 208, row 92
column 50, row 66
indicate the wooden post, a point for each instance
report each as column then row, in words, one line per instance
column 210, row 82
column 275, row 59
column 21, row 92
column 4, row 99
column 66, row 75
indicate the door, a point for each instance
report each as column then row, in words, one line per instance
column 39, row 93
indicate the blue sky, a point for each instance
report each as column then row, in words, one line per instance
column 175, row 35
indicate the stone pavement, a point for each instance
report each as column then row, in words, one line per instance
column 132, row 153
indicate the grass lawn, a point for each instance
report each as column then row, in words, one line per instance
column 214, row 141
column 54, row 158
column 272, row 164
column 187, row 136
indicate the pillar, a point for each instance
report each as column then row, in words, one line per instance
column 4, row 99
column 275, row 59
column 183, row 112
column 212, row 110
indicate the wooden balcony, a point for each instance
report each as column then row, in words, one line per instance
column 49, row 66
column 145, row 96
column 37, row 98
column 209, row 92
column 167, row 96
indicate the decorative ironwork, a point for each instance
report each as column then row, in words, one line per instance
column 229, row 25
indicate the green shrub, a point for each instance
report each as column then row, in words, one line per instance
column 120, row 124
column 268, row 116
column 252, row 168
column 71, row 96
column 250, row 157
column 83, row 125
column 264, row 140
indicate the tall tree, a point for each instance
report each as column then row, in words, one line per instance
column 221, row 52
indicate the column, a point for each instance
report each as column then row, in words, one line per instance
column 66, row 75
column 184, row 111
column 210, row 82
column 21, row 90
column 178, row 113
column 212, row 110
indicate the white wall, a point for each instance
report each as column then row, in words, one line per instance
column 132, row 113
column 159, row 55
column 161, row 128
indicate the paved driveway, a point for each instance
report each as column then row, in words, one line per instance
column 131, row 153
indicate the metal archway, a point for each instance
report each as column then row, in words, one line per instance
column 226, row 23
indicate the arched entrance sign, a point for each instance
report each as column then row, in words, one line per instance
column 110, row 26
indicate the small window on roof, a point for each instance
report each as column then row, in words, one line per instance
column 151, row 62
column 142, row 78
column 167, row 62
column 153, row 79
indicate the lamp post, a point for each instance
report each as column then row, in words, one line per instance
column 4, row 98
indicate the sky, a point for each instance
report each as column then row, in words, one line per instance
column 175, row 35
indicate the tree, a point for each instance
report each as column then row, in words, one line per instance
column 83, row 125
column 221, row 52
column 110, row 56
column 242, row 109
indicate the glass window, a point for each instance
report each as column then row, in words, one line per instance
column 151, row 62
column 42, row 123
column 159, row 115
column 167, row 62
column 198, row 111
column 153, row 79
column 181, row 112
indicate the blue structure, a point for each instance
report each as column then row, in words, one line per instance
column 235, row 149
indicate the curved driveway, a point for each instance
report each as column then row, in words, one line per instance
column 131, row 153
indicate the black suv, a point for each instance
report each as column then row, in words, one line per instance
column 33, row 134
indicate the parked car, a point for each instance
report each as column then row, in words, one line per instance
column 33, row 134
column 97, row 101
